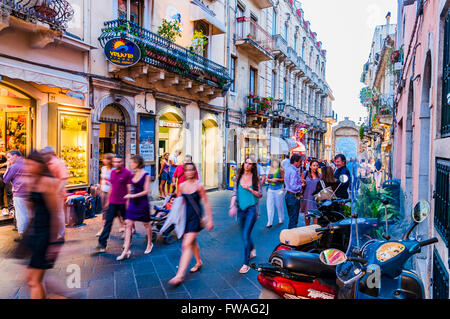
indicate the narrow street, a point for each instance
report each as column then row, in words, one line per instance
column 146, row 276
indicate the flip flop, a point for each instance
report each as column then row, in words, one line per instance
column 196, row 268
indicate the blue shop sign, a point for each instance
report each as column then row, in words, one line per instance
column 122, row 52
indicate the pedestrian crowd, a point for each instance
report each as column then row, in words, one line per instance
column 37, row 199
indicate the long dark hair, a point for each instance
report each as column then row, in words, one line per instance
column 37, row 157
column 328, row 175
column 255, row 178
column 310, row 171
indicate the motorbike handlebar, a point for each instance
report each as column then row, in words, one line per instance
column 358, row 260
column 428, row 242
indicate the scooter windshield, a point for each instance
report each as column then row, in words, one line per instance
column 372, row 206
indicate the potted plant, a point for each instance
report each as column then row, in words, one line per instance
column 251, row 110
column 199, row 42
column 169, row 30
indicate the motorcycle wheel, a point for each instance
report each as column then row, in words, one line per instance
column 267, row 294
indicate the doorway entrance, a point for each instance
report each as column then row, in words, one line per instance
column 112, row 132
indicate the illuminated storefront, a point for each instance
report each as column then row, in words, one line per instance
column 170, row 134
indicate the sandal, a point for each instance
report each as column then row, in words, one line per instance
column 244, row 269
column 196, row 268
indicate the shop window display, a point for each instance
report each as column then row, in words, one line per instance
column 74, row 139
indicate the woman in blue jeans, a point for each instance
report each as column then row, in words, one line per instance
column 244, row 202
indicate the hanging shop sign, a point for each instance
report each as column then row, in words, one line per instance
column 122, row 52
column 170, row 124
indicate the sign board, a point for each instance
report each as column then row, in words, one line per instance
column 147, row 138
column 122, row 52
column 170, row 124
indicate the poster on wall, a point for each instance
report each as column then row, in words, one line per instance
column 147, row 138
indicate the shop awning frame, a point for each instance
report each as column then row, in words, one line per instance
column 43, row 76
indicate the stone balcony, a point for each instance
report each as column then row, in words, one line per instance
column 167, row 64
column 280, row 47
column 252, row 39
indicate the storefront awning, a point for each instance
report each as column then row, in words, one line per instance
column 198, row 13
column 278, row 146
column 44, row 76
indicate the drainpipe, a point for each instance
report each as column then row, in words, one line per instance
column 227, row 123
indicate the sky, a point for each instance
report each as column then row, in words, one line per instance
column 346, row 30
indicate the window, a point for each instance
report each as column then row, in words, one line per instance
column 252, row 90
column 442, row 198
column 233, row 73
column 295, row 44
column 286, row 32
column 274, row 79
column 274, row 22
column 445, row 123
column 303, row 47
column 75, row 25
column 240, row 25
column 253, row 24
column 203, row 27
column 136, row 10
column 285, row 90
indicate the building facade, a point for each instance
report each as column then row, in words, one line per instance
column 422, row 135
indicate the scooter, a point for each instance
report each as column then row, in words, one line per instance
column 375, row 269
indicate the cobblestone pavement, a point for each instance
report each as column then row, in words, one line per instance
column 146, row 276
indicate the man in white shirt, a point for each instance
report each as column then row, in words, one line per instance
column 285, row 163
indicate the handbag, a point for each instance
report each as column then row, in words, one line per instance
column 203, row 219
column 325, row 194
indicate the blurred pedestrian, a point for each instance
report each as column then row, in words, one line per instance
column 293, row 184
column 275, row 193
column 105, row 186
column 45, row 224
column 377, row 166
column 285, row 163
column 311, row 179
column 120, row 178
column 244, row 203
column 178, row 176
column 164, row 176
column 14, row 175
column 59, row 170
column 194, row 197
column 138, row 207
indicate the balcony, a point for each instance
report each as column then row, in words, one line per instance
column 253, row 39
column 280, row 47
column 262, row 4
column 167, row 63
column 53, row 13
column 291, row 57
column 258, row 109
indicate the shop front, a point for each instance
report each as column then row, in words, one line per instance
column 17, row 120
column 210, row 154
column 170, row 134
column 255, row 144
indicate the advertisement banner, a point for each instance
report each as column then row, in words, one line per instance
column 147, row 138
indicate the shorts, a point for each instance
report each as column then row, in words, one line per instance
column 165, row 176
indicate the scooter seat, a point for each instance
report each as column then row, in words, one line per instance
column 302, row 263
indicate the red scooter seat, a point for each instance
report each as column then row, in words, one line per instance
column 302, row 263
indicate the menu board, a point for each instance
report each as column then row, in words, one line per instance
column 147, row 138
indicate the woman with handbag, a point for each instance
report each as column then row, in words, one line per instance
column 327, row 185
column 194, row 194
column 245, row 197
column 312, row 179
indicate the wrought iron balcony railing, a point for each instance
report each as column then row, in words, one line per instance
column 165, row 54
column 248, row 29
column 55, row 13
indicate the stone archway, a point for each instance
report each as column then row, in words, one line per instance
column 344, row 130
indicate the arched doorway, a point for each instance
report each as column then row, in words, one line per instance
column 170, row 133
column 347, row 146
column 112, row 131
column 210, row 153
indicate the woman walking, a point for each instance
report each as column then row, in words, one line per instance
column 164, row 176
column 194, row 195
column 105, row 186
column 312, row 179
column 44, row 225
column 243, row 202
column 138, row 207
column 275, row 193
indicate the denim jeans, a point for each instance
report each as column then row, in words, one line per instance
column 20, row 205
column 247, row 219
column 113, row 211
column 293, row 208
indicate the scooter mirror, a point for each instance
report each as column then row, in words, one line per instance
column 343, row 178
column 421, row 211
column 332, row 257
